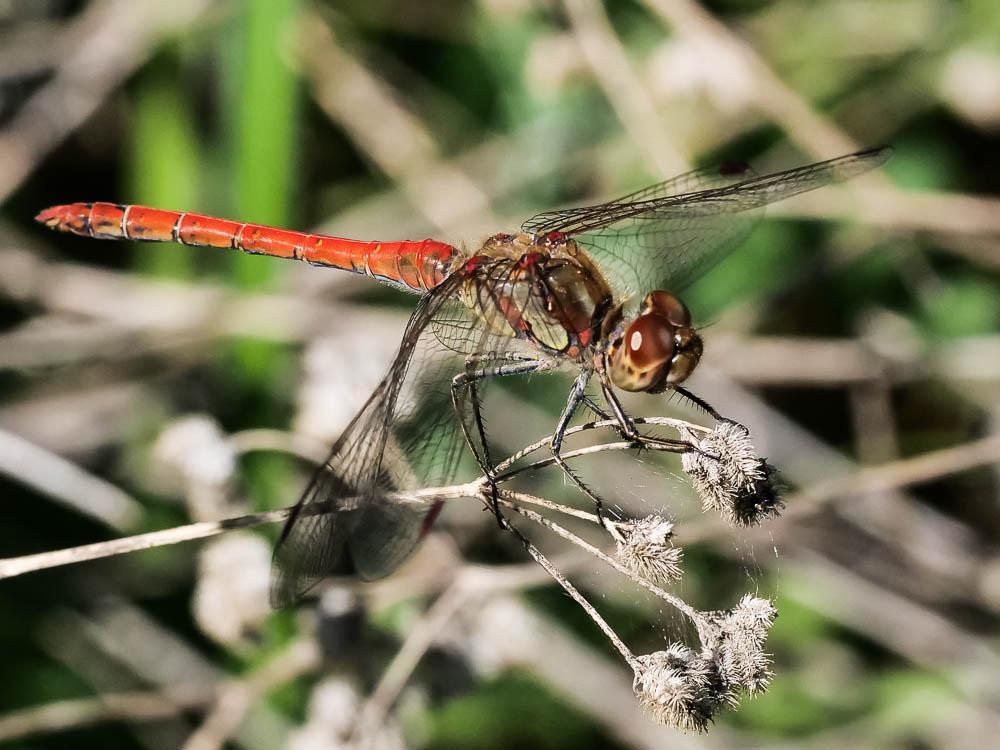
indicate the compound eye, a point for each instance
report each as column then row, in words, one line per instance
column 649, row 341
column 667, row 305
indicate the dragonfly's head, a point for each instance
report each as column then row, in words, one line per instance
column 657, row 349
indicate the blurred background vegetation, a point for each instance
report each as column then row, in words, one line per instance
column 143, row 387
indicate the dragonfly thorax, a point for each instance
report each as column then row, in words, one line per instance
column 538, row 288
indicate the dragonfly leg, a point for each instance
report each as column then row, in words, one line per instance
column 466, row 382
column 626, row 426
column 577, row 396
column 594, row 407
column 487, row 461
column 699, row 402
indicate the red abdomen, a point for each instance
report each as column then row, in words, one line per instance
column 417, row 265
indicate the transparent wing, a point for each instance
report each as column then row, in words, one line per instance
column 487, row 330
column 407, row 436
column 404, row 437
column 666, row 236
column 579, row 218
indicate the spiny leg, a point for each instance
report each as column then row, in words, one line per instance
column 699, row 402
column 625, row 423
column 708, row 408
column 474, row 372
column 467, row 382
column 628, row 429
column 591, row 404
column 487, row 464
column 577, row 396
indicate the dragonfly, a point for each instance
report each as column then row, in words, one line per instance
column 592, row 290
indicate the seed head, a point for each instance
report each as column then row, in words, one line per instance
column 645, row 548
column 680, row 688
column 729, row 476
column 739, row 643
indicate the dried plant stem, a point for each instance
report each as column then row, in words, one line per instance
column 15, row 566
column 622, row 445
column 64, row 481
column 515, row 501
column 132, row 706
column 235, row 698
column 676, row 424
column 570, row 589
column 419, row 639
column 624, row 89
column 894, row 475
column 566, row 510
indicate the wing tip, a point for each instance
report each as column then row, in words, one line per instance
column 877, row 155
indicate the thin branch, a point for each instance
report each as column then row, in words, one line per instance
column 420, row 638
column 132, row 706
column 67, row 483
column 15, row 566
column 623, row 88
column 785, row 106
column 385, row 130
column 577, row 596
column 116, row 37
column 894, row 475
column 236, row 697
column 566, row 510
column 674, row 601
column 676, row 424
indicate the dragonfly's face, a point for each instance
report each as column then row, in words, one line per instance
column 659, row 348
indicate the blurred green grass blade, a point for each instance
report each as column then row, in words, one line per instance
column 264, row 106
column 163, row 162
column 962, row 307
column 265, row 126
